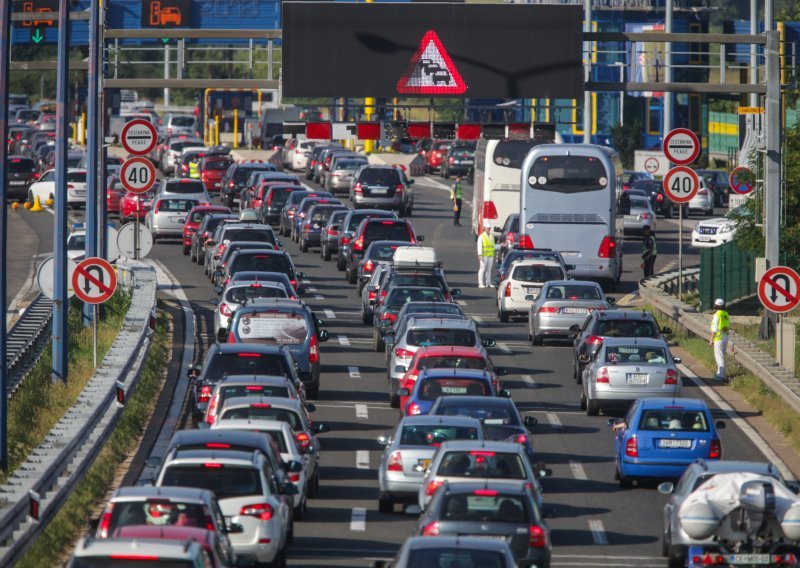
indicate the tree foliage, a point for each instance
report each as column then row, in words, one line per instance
column 627, row 139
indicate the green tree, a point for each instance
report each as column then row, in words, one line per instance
column 627, row 139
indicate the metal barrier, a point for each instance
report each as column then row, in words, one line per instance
column 26, row 339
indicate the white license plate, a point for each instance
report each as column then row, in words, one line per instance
column 631, row 217
column 750, row 559
column 685, row 444
column 378, row 190
column 704, row 239
column 637, row 378
column 570, row 253
column 16, row 183
column 574, row 311
column 535, row 291
column 489, row 536
column 468, row 162
column 177, row 219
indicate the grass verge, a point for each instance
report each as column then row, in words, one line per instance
column 39, row 404
column 68, row 523
column 780, row 415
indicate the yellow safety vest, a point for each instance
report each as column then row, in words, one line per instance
column 724, row 324
column 487, row 245
column 193, row 171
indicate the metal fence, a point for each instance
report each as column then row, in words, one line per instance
column 726, row 272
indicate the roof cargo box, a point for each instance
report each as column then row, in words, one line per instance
column 415, row 257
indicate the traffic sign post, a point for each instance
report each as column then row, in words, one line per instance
column 779, row 292
column 681, row 146
column 681, row 185
column 94, row 282
column 44, row 277
column 742, row 180
column 138, row 137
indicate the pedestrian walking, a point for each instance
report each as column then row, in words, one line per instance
column 720, row 326
column 649, row 251
column 486, row 247
column 455, row 196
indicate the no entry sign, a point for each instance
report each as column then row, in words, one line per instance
column 779, row 289
column 137, row 175
column 139, row 137
column 681, row 146
column 94, row 280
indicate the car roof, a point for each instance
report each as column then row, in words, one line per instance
column 515, row 487
column 166, row 532
column 625, row 314
column 537, row 261
column 643, row 341
column 279, row 402
column 262, row 251
column 277, row 303
column 482, row 445
column 454, row 373
column 470, row 542
column 736, row 466
column 434, row 322
column 246, row 225
column 183, row 438
column 258, row 423
column 133, row 547
column 683, row 403
column 136, row 493
column 255, row 283
column 233, row 348
column 233, row 457
column 435, row 419
column 494, row 401
column 231, row 380
column 438, row 350
column 573, row 283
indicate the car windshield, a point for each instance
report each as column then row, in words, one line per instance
column 382, row 252
column 400, row 296
column 441, row 336
column 350, row 165
column 261, row 263
column 482, row 463
column 265, row 412
column 380, row 176
column 175, row 205
column 76, row 242
column 198, row 216
column 156, row 512
column 444, row 308
column 491, row 415
column 241, row 175
column 456, row 557
column 453, row 362
column 431, row 389
column 273, row 327
column 356, row 218
column 185, row 187
column 573, row 292
column 484, row 506
column 641, row 355
column 245, row 364
column 224, row 480
column 537, row 273
column 388, row 231
column 435, row 435
column 240, row 294
column 674, row 419
column 639, row 203
column 516, row 255
column 627, row 328
column 236, row 391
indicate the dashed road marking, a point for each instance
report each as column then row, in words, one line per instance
column 319, row 297
column 354, row 372
column 358, row 519
column 529, row 382
column 343, row 340
column 461, row 302
column 553, row 419
column 361, row 411
column 330, row 314
column 362, row 459
column 478, row 319
column 577, row 471
column 505, row 348
column 598, row 531
column 312, row 289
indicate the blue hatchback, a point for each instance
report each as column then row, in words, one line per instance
column 434, row 383
column 660, row 437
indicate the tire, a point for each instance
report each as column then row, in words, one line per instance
column 503, row 316
column 625, row 483
column 592, row 408
column 583, row 401
column 185, row 251
column 377, row 341
column 394, row 400
column 385, row 505
column 664, row 545
column 537, row 339
column 313, row 393
column 326, row 254
column 352, row 276
column 313, row 486
column 303, row 246
column 676, row 556
column 300, row 510
column 402, row 211
column 366, row 318
column 340, row 263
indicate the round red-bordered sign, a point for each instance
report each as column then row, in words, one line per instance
column 651, row 165
column 681, row 184
column 138, row 137
column 681, row 146
column 137, row 175
column 742, row 180
column 94, row 280
column 779, row 289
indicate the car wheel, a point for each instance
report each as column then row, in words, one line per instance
column 402, row 211
column 340, row 264
column 664, row 545
column 394, row 398
column 313, row 485
column 377, row 340
column 303, row 246
column 676, row 556
column 625, row 482
column 299, row 511
column 537, row 339
column 326, row 254
column 503, row 315
column 385, row 505
column 592, row 407
column 352, row 277
column 366, row 318
column 583, row 401
column 313, row 393
column 185, row 251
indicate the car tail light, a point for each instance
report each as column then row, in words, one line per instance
column 525, row 242
column 263, row 511
column 157, row 207
column 413, row 409
column 395, row 462
column 672, row 377
column 304, row 441
column 135, row 557
column 369, row 266
column 204, row 393
column 37, row 175
column 715, row 451
column 105, row 522
column 231, row 184
column 313, row 349
column 403, row 353
column 703, row 192
column 372, row 293
column 212, row 465
column 432, row 487
column 359, row 244
column 409, row 380
column 225, row 310
column 510, row 237
column 608, row 248
column 218, row 446
column 645, row 215
column 294, row 477
column 507, row 292
column 431, row 529
column 602, row 375
column 549, row 310
column 306, row 227
column 261, row 405
column 536, row 537
column 269, row 198
column 632, row 448
column 659, row 198
column 388, row 316
column 521, row 438
column 399, row 187
column 594, row 340
column 452, row 160
column 211, row 414
column 486, row 492
column 489, row 210
column 346, row 240
column 331, row 232
column 290, row 213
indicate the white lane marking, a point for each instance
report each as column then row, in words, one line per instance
column 505, row 348
column 669, row 266
column 553, row 419
column 577, row 471
column 361, row 411
column 478, row 319
column 461, row 302
column 330, row 314
column 598, row 531
column 358, row 519
column 343, row 340
column 319, row 297
column 433, row 184
column 748, row 430
column 354, row 372
column 529, row 382
column 362, row 459
column 312, row 289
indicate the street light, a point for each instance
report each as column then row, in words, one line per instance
column 621, row 66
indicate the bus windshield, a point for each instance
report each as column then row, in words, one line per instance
column 568, row 174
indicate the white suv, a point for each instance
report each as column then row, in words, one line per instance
column 525, row 279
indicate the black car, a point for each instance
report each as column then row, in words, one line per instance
column 204, row 231
column 457, row 162
column 377, row 252
column 348, row 228
column 270, row 211
column 258, row 260
column 377, row 230
column 22, row 173
column 719, row 183
column 236, row 177
column 329, row 238
column 314, row 225
column 603, row 324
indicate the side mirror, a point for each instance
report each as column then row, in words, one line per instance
column 719, row 424
column 677, row 360
column 530, row 421
column 488, row 342
column 214, row 301
column 421, row 238
column 290, row 489
column 218, row 289
column 320, row 323
column 666, row 330
column 384, row 440
column 505, row 393
column 208, row 242
column 323, row 335
column 193, row 372
column 281, row 244
column 611, row 300
column 569, row 267
column 295, row 466
column 301, row 275
column 500, row 371
column 310, row 407
column 794, row 487
column 389, row 332
column 321, row 428
column 530, row 298
column 545, row 472
column 455, row 292
column 575, row 328
column 584, row 358
column 403, row 392
column 666, row 488
column 218, row 273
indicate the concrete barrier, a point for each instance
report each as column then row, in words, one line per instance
column 412, row 164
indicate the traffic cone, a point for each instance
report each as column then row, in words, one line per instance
column 37, row 205
column 49, row 202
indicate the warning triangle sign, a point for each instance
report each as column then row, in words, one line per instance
column 431, row 71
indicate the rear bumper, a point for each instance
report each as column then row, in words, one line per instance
column 655, row 469
column 378, row 202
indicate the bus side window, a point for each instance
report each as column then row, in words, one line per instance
column 624, row 205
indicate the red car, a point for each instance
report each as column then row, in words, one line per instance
column 436, row 154
column 114, row 193
column 447, row 357
column 210, row 541
column 132, row 205
column 193, row 220
column 212, row 170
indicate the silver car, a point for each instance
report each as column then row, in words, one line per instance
column 409, row 450
column 185, row 188
column 385, row 187
column 237, row 294
column 562, row 304
column 702, row 201
column 180, row 124
column 626, row 369
column 641, row 215
column 167, row 216
column 341, row 172
column 445, row 550
column 291, row 411
column 369, row 293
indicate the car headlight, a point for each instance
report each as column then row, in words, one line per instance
column 726, row 228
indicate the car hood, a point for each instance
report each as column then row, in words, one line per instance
column 716, row 222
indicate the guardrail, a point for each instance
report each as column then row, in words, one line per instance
column 26, row 339
column 668, row 281
column 759, row 363
column 54, row 468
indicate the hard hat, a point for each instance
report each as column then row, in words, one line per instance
column 719, row 302
column 487, row 225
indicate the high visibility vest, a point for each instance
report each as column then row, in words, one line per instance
column 487, row 245
column 193, row 171
column 457, row 191
column 646, row 246
column 724, row 324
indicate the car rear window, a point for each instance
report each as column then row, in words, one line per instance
column 380, row 176
column 156, row 512
column 76, row 242
column 296, row 197
column 76, row 177
column 252, row 235
column 387, row 231
column 240, row 294
column 441, row 336
column 356, row 218
column 198, row 216
column 573, row 292
column 20, row 165
column 350, row 165
column 429, row 280
column 179, row 145
column 260, row 263
column 641, row 355
column 537, row 273
column 278, row 195
column 674, row 419
column 444, row 308
column 434, row 435
column 462, row 557
column 185, row 187
column 224, row 480
column 491, row 416
column 626, row 328
column 241, row 175
column 245, row 364
column 265, row 412
column 218, row 165
column 452, row 362
column 485, row 506
column 175, row 205
column 482, row 463
column 272, row 327
column 431, row 389
column 236, row 391
column 182, row 121
column 400, row 296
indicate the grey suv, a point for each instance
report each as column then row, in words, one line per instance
column 385, row 187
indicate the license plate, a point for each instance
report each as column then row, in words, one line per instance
column 685, row 444
column 570, row 253
column 631, row 217
column 379, row 190
column 489, row 536
column 468, row 162
column 533, row 290
column 177, row 219
column 16, row 183
column 424, row 464
column 574, row 311
column 145, row 204
column 704, row 239
column 749, row 559
column 637, row 378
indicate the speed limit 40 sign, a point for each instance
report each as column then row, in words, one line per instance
column 681, row 184
column 137, row 175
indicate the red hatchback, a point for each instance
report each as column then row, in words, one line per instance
column 436, row 154
column 132, row 205
column 193, row 220
column 212, row 170
column 114, row 191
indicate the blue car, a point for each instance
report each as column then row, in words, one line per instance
column 660, row 437
column 434, row 383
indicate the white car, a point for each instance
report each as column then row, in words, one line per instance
column 297, row 156
column 713, row 232
column 76, row 245
column 45, row 188
column 526, row 278
column 237, row 294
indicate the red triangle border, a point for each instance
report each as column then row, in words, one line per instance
column 460, row 86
